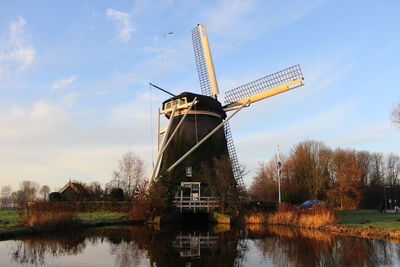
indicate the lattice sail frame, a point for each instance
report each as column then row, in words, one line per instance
column 263, row 84
column 204, row 64
column 236, row 169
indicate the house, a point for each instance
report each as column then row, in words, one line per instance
column 74, row 191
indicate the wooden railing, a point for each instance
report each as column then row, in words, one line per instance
column 196, row 203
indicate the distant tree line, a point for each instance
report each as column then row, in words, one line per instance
column 28, row 191
column 344, row 178
column 123, row 183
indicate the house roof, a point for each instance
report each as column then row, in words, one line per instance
column 77, row 187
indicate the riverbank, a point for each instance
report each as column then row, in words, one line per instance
column 11, row 226
column 360, row 223
column 367, row 224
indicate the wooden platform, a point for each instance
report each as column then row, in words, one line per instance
column 196, row 204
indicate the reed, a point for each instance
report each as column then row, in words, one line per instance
column 51, row 216
column 256, row 218
column 316, row 217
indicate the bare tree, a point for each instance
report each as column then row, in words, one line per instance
column 364, row 161
column 95, row 190
column 5, row 194
column 264, row 186
column 308, row 168
column 44, row 191
column 130, row 172
column 6, row 191
column 392, row 169
column 396, row 115
column 377, row 170
column 28, row 191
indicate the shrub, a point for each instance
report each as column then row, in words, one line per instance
column 56, row 196
column 117, row 194
column 141, row 210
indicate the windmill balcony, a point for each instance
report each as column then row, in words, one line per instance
column 195, row 204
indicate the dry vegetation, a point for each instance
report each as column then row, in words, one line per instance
column 256, row 218
column 141, row 210
column 316, row 217
column 51, row 216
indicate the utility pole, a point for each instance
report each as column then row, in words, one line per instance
column 278, row 167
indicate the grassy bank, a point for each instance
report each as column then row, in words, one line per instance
column 368, row 224
column 11, row 225
column 360, row 223
column 369, row 218
column 9, row 220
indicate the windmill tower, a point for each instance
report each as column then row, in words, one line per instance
column 198, row 131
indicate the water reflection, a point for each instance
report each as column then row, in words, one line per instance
column 215, row 246
column 287, row 246
column 34, row 251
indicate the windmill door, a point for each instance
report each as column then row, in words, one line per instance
column 191, row 190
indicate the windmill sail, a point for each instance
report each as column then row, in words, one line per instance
column 265, row 87
column 204, row 63
column 237, row 173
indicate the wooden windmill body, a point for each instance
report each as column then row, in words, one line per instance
column 198, row 132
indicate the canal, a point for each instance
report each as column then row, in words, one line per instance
column 216, row 245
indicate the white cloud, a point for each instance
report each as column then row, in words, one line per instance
column 124, row 23
column 15, row 52
column 69, row 98
column 63, row 83
column 35, row 126
column 45, row 143
column 244, row 20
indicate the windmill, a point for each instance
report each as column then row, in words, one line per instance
column 198, row 129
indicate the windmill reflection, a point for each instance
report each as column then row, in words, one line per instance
column 192, row 244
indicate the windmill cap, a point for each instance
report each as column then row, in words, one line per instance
column 205, row 103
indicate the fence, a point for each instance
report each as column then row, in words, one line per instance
column 195, row 203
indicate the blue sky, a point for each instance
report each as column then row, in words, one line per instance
column 74, row 76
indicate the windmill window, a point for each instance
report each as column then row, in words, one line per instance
column 189, row 171
column 195, row 188
column 168, row 105
column 175, row 103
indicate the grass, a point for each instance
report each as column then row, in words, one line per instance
column 102, row 217
column 369, row 218
column 8, row 220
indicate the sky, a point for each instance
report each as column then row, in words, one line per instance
column 74, row 93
